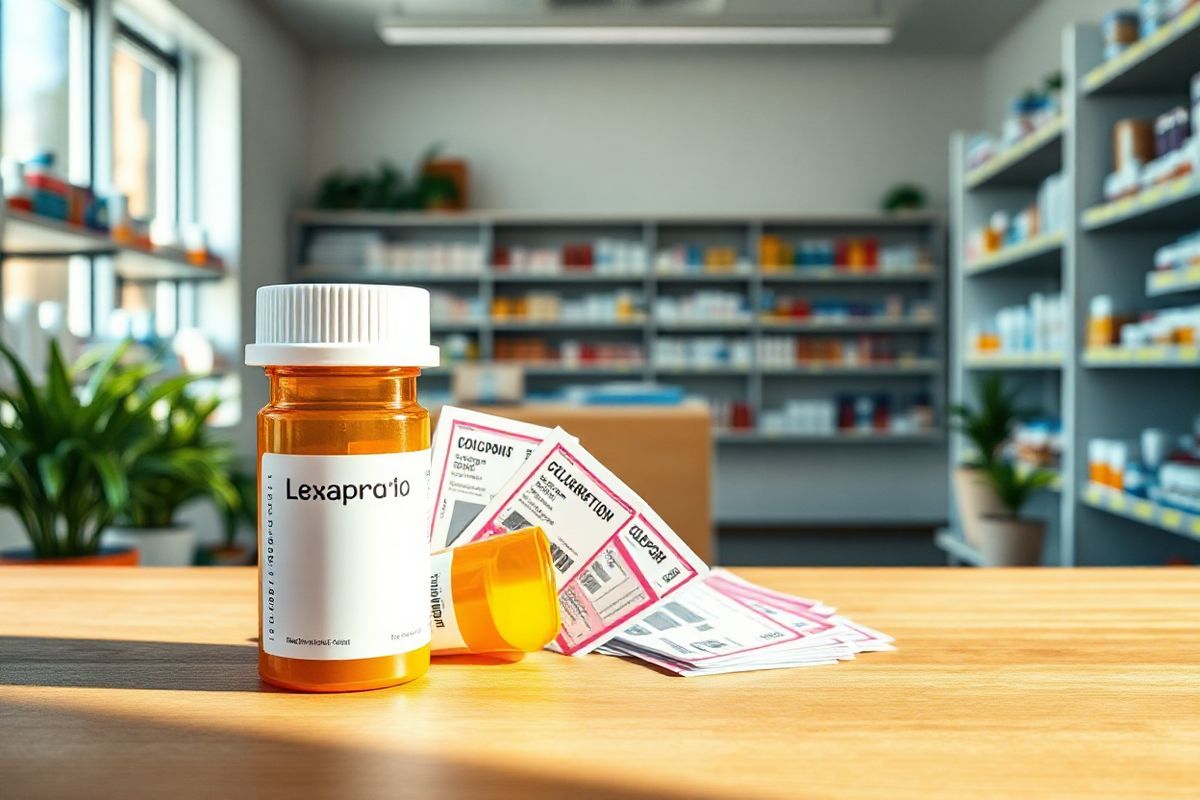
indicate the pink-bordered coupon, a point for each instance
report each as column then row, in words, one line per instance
column 614, row 558
column 474, row 456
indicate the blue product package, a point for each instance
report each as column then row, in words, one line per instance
column 49, row 204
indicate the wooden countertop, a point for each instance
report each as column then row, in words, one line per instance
column 1018, row 683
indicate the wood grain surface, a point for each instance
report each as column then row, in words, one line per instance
column 1014, row 683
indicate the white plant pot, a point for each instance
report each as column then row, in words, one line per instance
column 173, row 546
column 975, row 497
column 1011, row 541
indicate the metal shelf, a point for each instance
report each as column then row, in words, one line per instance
column 957, row 548
column 716, row 371
column 886, row 219
column 1027, row 162
column 684, row 326
column 850, row 325
column 1153, row 357
column 698, row 277
column 1105, row 249
column 31, row 236
column 487, row 229
column 871, row 437
column 1166, row 282
column 1162, row 62
column 455, row 324
column 583, row 370
column 316, row 273
column 565, row 277
column 830, row 275
column 1141, row 510
column 1031, row 361
column 1041, row 254
column 352, row 218
column 920, row 367
column 566, row 325
column 1173, row 206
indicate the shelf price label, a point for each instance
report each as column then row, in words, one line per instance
column 1117, row 502
column 1196, row 527
column 1143, row 510
column 1171, row 518
column 1152, row 354
column 1164, row 280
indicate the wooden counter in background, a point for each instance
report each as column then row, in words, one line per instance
column 129, row 683
column 664, row 453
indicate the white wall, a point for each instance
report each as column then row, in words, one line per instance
column 273, row 83
column 1032, row 49
column 721, row 130
column 652, row 129
column 272, row 146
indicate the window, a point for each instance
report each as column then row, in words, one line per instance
column 45, row 83
column 145, row 131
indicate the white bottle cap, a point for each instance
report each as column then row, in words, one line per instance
column 342, row 325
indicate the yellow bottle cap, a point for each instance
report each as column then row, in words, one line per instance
column 496, row 595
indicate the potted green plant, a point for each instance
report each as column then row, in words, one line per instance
column 65, row 449
column 175, row 462
column 904, row 197
column 1007, row 538
column 986, row 428
column 228, row 553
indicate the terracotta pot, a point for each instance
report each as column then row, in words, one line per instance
column 236, row 556
column 457, row 171
column 1011, row 541
column 975, row 497
column 105, row 557
column 171, row 546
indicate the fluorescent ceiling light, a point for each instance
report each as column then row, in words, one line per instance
column 400, row 34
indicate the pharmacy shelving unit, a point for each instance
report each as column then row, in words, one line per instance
column 38, row 241
column 980, row 287
column 1107, row 248
column 25, row 236
column 763, row 477
column 1121, row 392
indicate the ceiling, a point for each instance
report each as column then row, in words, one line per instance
column 921, row 26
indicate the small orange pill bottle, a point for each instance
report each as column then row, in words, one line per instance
column 497, row 595
column 343, row 476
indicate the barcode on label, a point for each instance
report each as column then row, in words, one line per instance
column 684, row 613
column 711, row 644
column 515, row 522
column 562, row 560
column 662, row 620
column 590, row 583
column 637, row 630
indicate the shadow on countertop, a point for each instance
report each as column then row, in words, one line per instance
column 124, row 664
column 176, row 666
column 48, row 751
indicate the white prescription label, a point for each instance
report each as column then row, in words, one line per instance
column 445, row 633
column 345, row 559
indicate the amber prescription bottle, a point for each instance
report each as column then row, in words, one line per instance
column 494, row 596
column 343, row 473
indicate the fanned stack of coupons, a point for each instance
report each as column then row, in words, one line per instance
column 726, row 624
column 626, row 581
